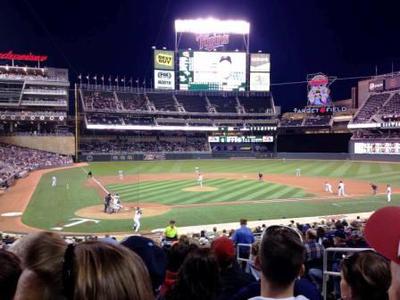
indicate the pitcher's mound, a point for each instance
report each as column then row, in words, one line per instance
column 200, row 189
column 97, row 211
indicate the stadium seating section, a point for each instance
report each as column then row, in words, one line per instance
column 370, row 107
column 193, row 103
column 223, row 104
column 255, row 104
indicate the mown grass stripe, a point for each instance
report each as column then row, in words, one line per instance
column 160, row 187
column 215, row 196
column 206, row 196
column 170, row 186
column 243, row 193
column 236, row 195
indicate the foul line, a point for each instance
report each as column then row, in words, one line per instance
column 96, row 181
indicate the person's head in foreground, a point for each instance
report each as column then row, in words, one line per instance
column 383, row 234
column 281, row 258
column 89, row 270
column 10, row 270
column 365, row 276
column 198, row 277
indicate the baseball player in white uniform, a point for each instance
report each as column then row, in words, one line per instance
column 200, row 180
column 298, row 172
column 53, row 181
column 341, row 192
column 121, row 174
column 116, row 203
column 328, row 187
column 136, row 219
column 197, row 170
column 389, row 193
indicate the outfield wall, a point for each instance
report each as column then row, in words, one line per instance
column 57, row 144
column 240, row 155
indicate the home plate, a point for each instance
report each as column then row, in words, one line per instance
column 12, row 214
column 56, row 228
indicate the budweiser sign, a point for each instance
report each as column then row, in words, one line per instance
column 28, row 57
column 211, row 42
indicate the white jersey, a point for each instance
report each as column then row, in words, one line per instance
column 53, row 181
column 328, row 187
column 138, row 215
column 200, row 178
column 389, row 190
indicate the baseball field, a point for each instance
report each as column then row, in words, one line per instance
column 168, row 190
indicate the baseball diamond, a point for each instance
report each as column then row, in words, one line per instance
column 160, row 188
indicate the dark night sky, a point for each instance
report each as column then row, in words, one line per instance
column 338, row 37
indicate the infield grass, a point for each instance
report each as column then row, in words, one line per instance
column 52, row 207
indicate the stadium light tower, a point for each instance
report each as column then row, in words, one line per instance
column 212, row 26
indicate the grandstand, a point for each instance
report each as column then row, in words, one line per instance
column 143, row 112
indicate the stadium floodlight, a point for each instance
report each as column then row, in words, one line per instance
column 153, row 47
column 211, row 25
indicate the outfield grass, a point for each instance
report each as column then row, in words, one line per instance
column 52, row 207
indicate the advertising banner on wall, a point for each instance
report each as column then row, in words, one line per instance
column 218, row 71
column 376, row 148
column 260, row 82
column 260, row 62
column 376, row 86
column 163, row 60
column 392, row 83
column 164, row 80
column 240, row 139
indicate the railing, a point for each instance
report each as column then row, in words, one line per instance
column 326, row 273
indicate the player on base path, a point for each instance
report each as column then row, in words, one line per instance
column 136, row 219
column 341, row 192
column 328, row 187
column 389, row 193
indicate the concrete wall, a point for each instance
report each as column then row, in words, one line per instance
column 56, row 144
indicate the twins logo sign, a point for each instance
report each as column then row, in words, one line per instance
column 318, row 90
column 164, row 80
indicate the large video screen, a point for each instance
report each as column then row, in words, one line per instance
column 212, row 71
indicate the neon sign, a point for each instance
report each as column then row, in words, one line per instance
column 27, row 57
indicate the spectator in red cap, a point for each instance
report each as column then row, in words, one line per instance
column 232, row 277
column 383, row 234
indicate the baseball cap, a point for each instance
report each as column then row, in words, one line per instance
column 223, row 248
column 152, row 255
column 383, row 232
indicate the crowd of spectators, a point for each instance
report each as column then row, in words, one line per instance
column 266, row 262
column 16, row 162
column 29, row 73
column 127, row 146
column 376, row 135
column 370, row 107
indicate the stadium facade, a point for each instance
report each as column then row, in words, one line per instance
column 211, row 102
